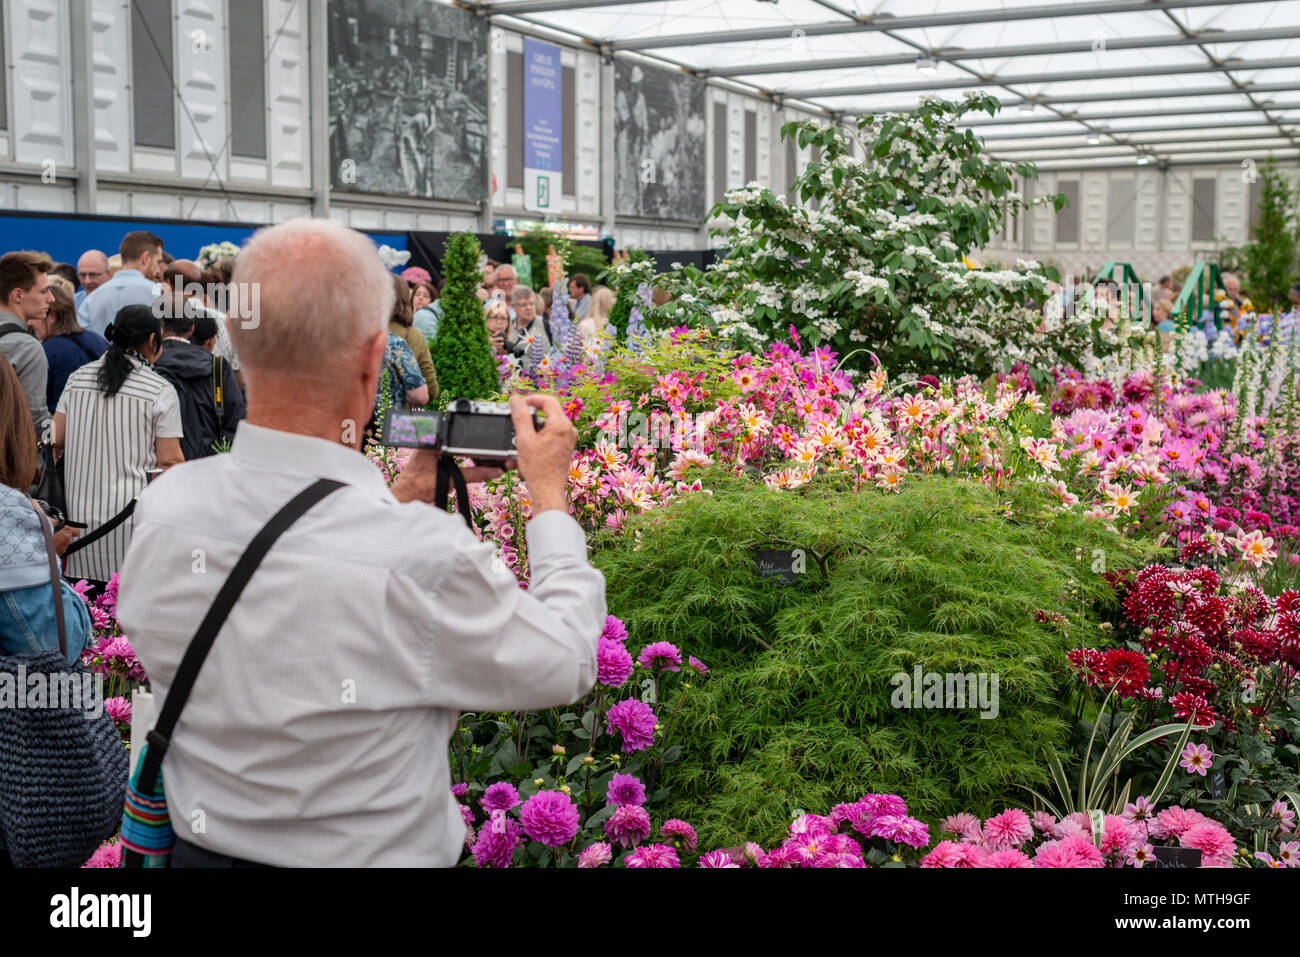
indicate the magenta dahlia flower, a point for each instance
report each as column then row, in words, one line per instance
column 716, row 859
column 496, row 848
column 614, row 629
column 595, row 855
column 629, row 825
column 653, row 855
column 119, row 709
column 900, row 829
column 501, row 796
column 625, row 789
column 550, row 818
column 660, row 656
column 634, row 721
column 106, row 855
column 1009, row 829
column 613, row 663
column 699, row 667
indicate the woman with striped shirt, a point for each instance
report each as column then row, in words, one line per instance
column 116, row 420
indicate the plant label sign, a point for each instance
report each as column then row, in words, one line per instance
column 1177, row 857
column 782, row 566
column 1218, row 784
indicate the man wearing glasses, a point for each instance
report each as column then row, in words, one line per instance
column 92, row 271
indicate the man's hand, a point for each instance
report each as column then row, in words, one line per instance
column 419, row 480
column 545, row 454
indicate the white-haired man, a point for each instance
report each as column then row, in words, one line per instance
column 317, row 730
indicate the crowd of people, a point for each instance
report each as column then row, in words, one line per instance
column 127, row 375
column 370, row 588
column 1225, row 311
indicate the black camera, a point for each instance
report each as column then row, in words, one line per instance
column 483, row 431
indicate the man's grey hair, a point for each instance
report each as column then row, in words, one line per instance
column 322, row 292
column 521, row 293
column 506, row 271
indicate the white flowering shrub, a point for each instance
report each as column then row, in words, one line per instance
column 869, row 254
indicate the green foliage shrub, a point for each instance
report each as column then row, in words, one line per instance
column 461, row 352
column 797, row 712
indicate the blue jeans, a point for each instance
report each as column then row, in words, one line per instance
column 28, row 626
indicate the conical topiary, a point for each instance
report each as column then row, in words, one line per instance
column 461, row 351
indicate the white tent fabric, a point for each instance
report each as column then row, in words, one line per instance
column 1083, row 83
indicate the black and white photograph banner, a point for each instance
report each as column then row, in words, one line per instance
column 408, row 99
column 659, row 143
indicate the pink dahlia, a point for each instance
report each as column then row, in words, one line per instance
column 459, row 790
column 625, row 789
column 1009, row 829
column 840, row 860
column 501, row 796
column 550, row 817
column 1045, row 823
column 496, row 848
column 613, row 663
column 1212, row 839
column 634, row 721
column 1007, row 858
column 680, row 833
column 699, row 667
column 952, row 854
column 901, row 829
column 883, row 803
column 594, row 855
column 653, row 855
column 1118, row 835
column 1173, row 821
column 629, row 825
column 779, row 857
column 716, row 859
column 614, row 629
column 1077, row 851
column 660, row 656
column 119, row 709
column 106, row 855
column 965, row 826
column 466, row 814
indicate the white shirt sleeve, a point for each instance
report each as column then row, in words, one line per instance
column 497, row 647
column 167, row 414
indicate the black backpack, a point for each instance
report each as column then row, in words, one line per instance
column 202, row 402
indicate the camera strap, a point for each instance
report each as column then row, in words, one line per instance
column 448, row 473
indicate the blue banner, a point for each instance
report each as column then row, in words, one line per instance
column 543, row 124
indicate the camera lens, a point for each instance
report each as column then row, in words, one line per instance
column 460, row 405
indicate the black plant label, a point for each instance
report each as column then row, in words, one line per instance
column 780, row 566
column 1181, row 857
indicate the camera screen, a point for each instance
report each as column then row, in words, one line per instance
column 471, row 431
column 412, row 428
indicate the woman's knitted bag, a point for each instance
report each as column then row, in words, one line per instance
column 63, row 767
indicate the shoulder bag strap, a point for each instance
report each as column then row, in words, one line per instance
column 160, row 737
column 56, row 580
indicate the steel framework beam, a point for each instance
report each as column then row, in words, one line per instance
column 992, row 138
column 953, row 54
column 979, row 124
column 1181, row 69
column 878, row 23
